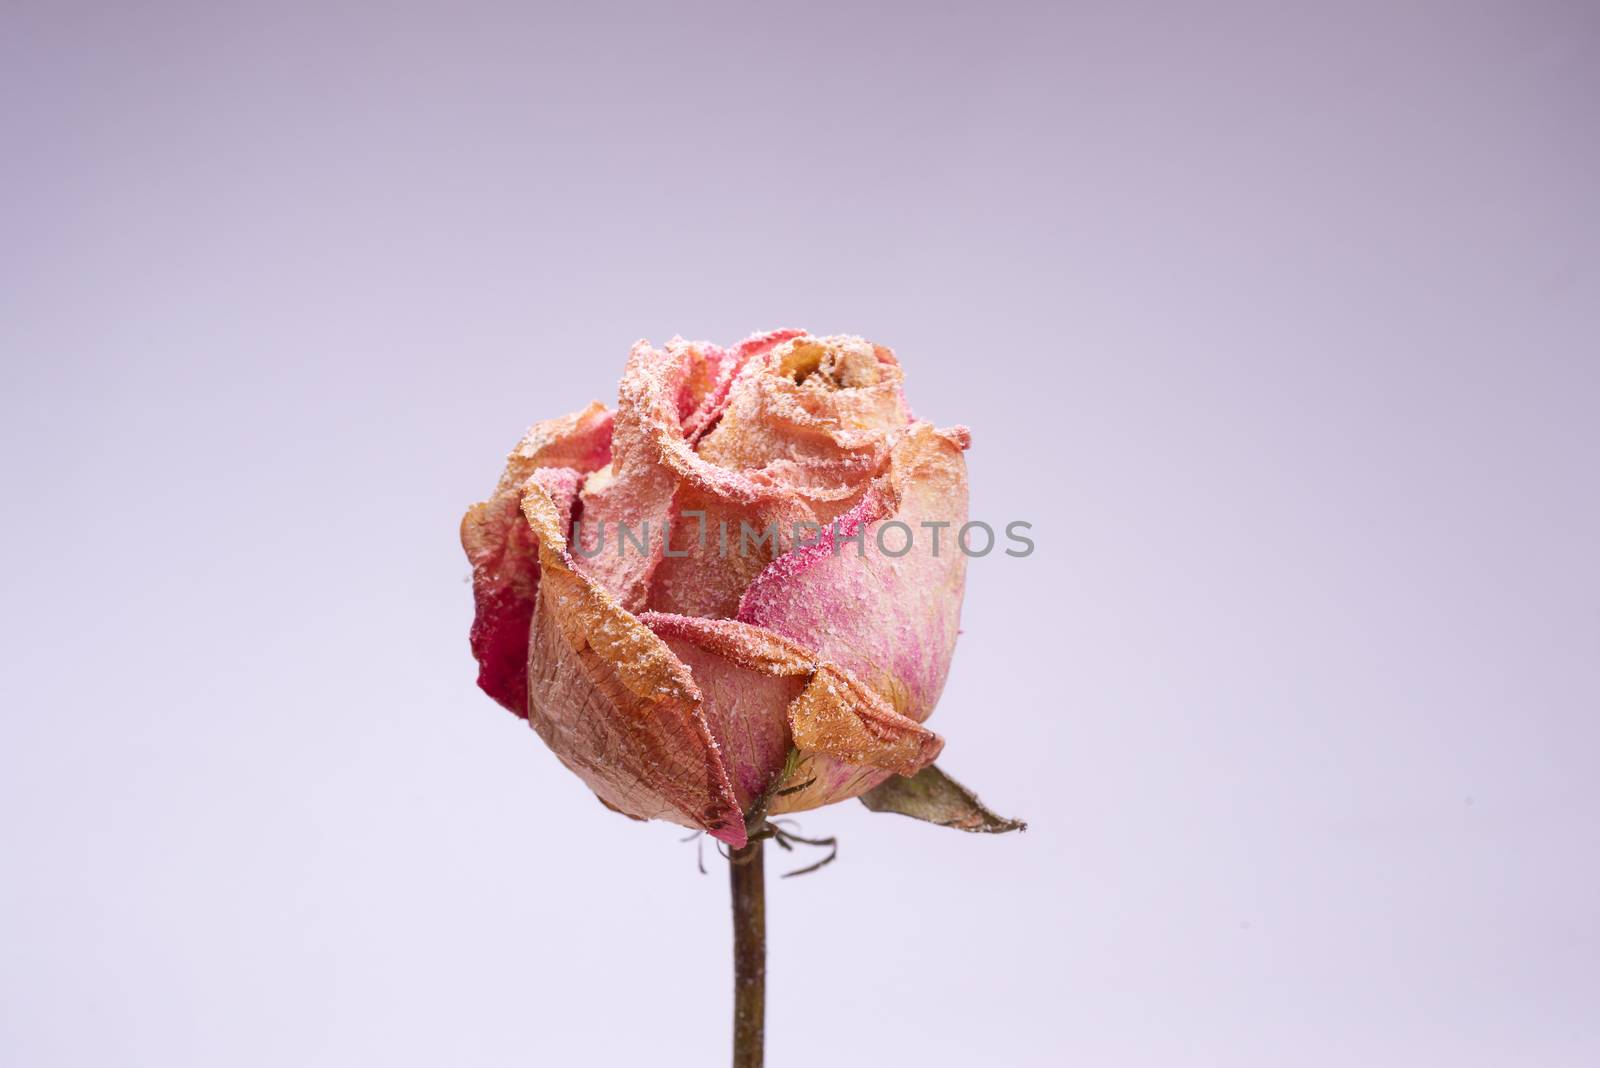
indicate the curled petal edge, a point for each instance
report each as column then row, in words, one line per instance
column 651, row 411
column 505, row 568
column 662, row 687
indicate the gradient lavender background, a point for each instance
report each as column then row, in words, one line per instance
column 1279, row 324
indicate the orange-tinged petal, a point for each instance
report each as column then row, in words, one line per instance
column 612, row 700
column 827, row 406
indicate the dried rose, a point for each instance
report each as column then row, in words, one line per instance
column 699, row 603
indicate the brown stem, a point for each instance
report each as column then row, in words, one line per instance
column 746, row 879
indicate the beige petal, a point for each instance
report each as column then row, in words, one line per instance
column 613, row 701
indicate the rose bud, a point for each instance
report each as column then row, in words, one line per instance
column 722, row 600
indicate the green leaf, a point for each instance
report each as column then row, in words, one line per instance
column 934, row 797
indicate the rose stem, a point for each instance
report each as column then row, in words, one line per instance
column 746, row 880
